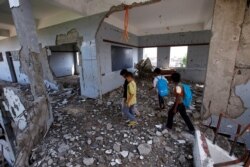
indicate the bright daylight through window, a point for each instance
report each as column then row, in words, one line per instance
column 178, row 56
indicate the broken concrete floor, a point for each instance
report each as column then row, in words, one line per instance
column 93, row 132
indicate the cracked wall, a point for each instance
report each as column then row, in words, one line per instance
column 239, row 102
column 112, row 33
column 229, row 62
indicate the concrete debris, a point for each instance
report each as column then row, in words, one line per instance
column 88, row 161
column 124, row 154
column 117, row 147
column 94, row 133
column 144, row 149
column 144, row 67
column 63, row 148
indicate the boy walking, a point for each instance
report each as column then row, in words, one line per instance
column 130, row 103
column 178, row 104
column 160, row 84
column 125, row 85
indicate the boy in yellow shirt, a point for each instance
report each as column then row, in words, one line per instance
column 131, row 99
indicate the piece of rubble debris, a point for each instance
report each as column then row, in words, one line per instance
column 93, row 127
column 144, row 149
column 88, row 161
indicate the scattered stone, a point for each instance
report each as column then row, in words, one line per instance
column 88, row 161
column 170, row 103
column 156, row 140
column 124, row 154
column 109, row 126
column 100, row 138
column 190, row 157
column 165, row 131
column 89, row 141
column 117, row 147
column 141, row 157
column 150, row 142
column 63, row 148
column 130, row 156
column 50, row 162
column 108, row 151
column 158, row 133
column 181, row 141
column 158, row 126
column 144, row 149
column 67, row 136
column 182, row 160
column 118, row 161
column 112, row 163
column 168, row 149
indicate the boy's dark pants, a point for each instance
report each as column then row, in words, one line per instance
column 182, row 110
column 161, row 101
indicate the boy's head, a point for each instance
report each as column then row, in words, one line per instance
column 157, row 71
column 123, row 72
column 129, row 76
column 176, row 77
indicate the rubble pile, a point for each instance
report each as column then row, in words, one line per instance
column 88, row 132
column 144, row 68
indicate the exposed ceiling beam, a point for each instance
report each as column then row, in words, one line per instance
column 4, row 33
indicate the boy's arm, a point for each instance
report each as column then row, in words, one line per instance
column 178, row 91
column 154, row 84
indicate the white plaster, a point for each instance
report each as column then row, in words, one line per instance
column 14, row 3
column 7, row 149
column 4, row 69
column 15, row 105
column 217, row 154
column 200, row 157
column 7, row 152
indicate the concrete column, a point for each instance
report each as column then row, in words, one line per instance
column 163, row 57
column 90, row 75
column 227, row 20
column 39, row 116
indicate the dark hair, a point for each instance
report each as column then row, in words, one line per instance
column 176, row 77
column 123, row 72
column 129, row 74
column 157, row 71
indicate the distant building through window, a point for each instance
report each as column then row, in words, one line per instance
column 150, row 53
column 178, row 56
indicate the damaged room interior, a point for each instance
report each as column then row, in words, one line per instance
column 133, row 83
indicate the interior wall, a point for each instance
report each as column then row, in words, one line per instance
column 112, row 79
column 197, row 54
column 229, row 42
column 86, row 27
column 62, row 63
column 4, row 69
column 163, row 57
column 175, row 39
column 197, row 58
